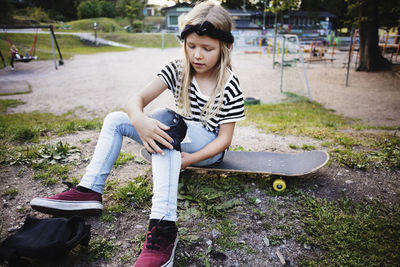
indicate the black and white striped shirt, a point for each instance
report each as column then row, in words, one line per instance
column 232, row 109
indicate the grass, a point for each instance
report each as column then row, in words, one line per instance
column 351, row 145
column 69, row 45
column 18, row 131
column 9, row 103
column 123, row 158
column 145, row 40
column 102, row 248
column 350, row 233
column 136, row 193
column 11, row 192
column 104, row 25
column 212, row 195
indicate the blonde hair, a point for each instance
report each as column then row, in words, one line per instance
column 220, row 18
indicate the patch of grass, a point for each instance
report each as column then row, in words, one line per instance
column 123, row 158
column 300, row 117
column 85, row 141
column 12, row 192
column 214, row 194
column 104, row 25
column 137, row 192
column 102, row 248
column 275, row 240
column 351, row 233
column 308, row 147
column 50, row 174
column 29, row 127
column 110, row 212
column 349, row 158
column 47, row 154
column 297, row 117
column 143, row 39
column 138, row 242
column 14, row 127
column 9, row 103
column 228, row 232
column 70, row 45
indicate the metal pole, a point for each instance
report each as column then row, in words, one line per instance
column 54, row 51
column 274, row 48
column 60, row 62
column 304, row 69
column 2, row 59
column 282, row 63
column 162, row 40
column 348, row 61
column 265, row 6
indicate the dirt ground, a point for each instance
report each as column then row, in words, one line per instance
column 93, row 85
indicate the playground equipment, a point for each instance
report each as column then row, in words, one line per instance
column 390, row 44
column 291, row 73
column 318, row 50
column 29, row 56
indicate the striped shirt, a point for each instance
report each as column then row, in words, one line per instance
column 232, row 109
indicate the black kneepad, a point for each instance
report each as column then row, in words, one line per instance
column 177, row 126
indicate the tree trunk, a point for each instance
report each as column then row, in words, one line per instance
column 370, row 57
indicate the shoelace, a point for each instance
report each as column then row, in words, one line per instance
column 160, row 235
column 70, row 185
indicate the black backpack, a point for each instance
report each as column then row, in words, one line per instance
column 44, row 239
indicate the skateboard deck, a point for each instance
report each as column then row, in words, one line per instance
column 283, row 164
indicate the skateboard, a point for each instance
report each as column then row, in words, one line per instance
column 271, row 163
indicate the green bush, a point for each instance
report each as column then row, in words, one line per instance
column 89, row 9
column 5, row 11
column 107, row 9
column 138, row 26
column 38, row 14
column 94, row 9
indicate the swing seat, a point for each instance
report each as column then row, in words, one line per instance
column 25, row 59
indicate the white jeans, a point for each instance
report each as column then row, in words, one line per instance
column 166, row 168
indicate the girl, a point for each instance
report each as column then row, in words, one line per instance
column 207, row 94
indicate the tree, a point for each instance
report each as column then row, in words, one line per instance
column 130, row 9
column 5, row 11
column 67, row 9
column 366, row 15
column 89, row 9
column 373, row 14
column 107, row 9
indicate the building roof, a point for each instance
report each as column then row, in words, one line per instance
column 245, row 24
column 177, row 6
column 302, row 13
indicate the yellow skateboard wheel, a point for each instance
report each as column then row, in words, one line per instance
column 279, row 185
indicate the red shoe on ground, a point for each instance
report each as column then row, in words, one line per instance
column 159, row 247
column 69, row 202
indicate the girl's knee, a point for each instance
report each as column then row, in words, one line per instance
column 114, row 119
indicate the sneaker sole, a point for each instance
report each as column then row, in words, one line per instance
column 170, row 262
column 62, row 207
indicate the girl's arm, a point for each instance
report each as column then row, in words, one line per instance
column 149, row 130
column 215, row 147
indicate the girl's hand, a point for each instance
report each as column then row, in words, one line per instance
column 150, row 131
column 187, row 160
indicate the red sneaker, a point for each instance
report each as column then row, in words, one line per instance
column 159, row 247
column 69, row 202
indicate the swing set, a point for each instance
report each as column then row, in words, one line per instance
column 31, row 55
